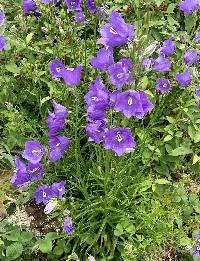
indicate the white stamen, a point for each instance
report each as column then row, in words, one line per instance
column 36, row 151
column 58, row 69
column 164, row 85
column 70, row 69
column 120, row 75
column 94, row 98
column 119, row 137
column 112, row 31
column 44, row 195
column 130, row 100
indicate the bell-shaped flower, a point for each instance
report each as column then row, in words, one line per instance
column 103, row 60
column 58, row 145
column 33, row 152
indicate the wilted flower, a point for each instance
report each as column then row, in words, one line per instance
column 184, row 79
column 91, row 6
column 43, row 194
column 28, row 6
column 102, row 13
column 133, row 103
column 104, row 59
column 68, row 227
column 163, row 85
column 161, row 64
column 59, row 189
column 50, row 207
column 2, row 18
column 72, row 76
column 117, row 32
column 197, row 38
column 79, row 17
column 197, row 92
column 3, row 44
column 20, row 177
column 189, row 6
column 120, row 72
column 35, row 171
column 96, row 131
column 58, row 145
column 55, row 68
column 57, row 3
column 119, row 140
column 73, row 5
column 150, row 49
column 147, row 63
column 191, row 56
column 168, row 47
column 33, row 152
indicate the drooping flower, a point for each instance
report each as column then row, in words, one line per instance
column 98, row 96
column 120, row 72
column 147, row 63
column 189, row 6
column 91, row 6
column 161, row 64
column 147, row 106
column 58, row 145
column 197, row 38
column 35, row 171
column 119, row 140
column 80, row 17
column 96, row 131
column 3, row 44
column 196, row 251
column 56, row 120
column 28, row 6
column 197, row 92
column 101, row 11
column 33, row 152
column 68, row 227
column 43, row 194
column 55, row 68
column 168, row 47
column 163, row 85
column 117, row 32
column 191, row 56
column 59, row 189
column 72, row 76
column 2, row 18
column 104, row 59
column 50, row 206
column 20, row 177
column 73, row 5
column 184, row 79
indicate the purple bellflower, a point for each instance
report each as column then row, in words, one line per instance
column 113, row 98
column 20, row 177
column 56, row 120
column 101, row 11
column 120, row 72
column 191, row 56
column 96, row 131
column 79, row 17
column 33, row 152
column 104, row 59
column 68, row 227
column 119, row 140
column 163, row 85
column 189, row 6
column 197, row 38
column 28, row 6
column 58, row 145
column 147, row 106
column 91, row 6
column 72, row 76
column 59, row 189
column 184, row 79
column 97, row 115
column 55, row 68
column 161, row 64
column 197, row 91
column 2, row 18
column 98, row 96
column 73, row 5
column 35, row 171
column 3, row 44
column 43, row 194
column 196, row 251
column 117, row 32
column 168, row 47
column 147, row 63
column 46, row 2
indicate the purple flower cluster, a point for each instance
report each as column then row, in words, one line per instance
column 189, row 6
column 71, row 76
column 3, row 44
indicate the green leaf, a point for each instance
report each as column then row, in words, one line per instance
column 170, row 8
column 45, row 245
column 26, row 236
column 45, row 99
column 162, row 181
column 14, row 251
column 158, row 2
column 168, row 138
column 12, row 67
column 181, row 151
column 196, row 158
column 29, row 38
column 190, row 22
column 14, row 236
